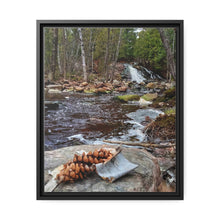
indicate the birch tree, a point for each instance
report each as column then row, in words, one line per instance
column 85, row 75
column 64, row 53
column 90, row 50
column 116, row 55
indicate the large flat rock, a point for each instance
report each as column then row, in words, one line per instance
column 142, row 179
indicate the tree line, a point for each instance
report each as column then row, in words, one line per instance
column 71, row 52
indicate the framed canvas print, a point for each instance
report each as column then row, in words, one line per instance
column 110, row 109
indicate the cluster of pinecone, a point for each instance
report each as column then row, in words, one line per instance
column 82, row 165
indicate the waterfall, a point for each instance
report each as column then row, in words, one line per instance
column 135, row 74
column 139, row 75
column 152, row 74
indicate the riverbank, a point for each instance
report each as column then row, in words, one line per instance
column 127, row 78
column 58, row 89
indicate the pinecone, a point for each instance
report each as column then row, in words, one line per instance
column 82, row 165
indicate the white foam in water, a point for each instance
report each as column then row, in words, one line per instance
column 140, row 135
column 79, row 137
column 140, row 114
column 134, row 123
column 98, row 142
column 156, row 111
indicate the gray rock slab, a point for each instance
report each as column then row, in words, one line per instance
column 140, row 179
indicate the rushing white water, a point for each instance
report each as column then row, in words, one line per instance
column 135, row 74
column 152, row 74
column 140, row 76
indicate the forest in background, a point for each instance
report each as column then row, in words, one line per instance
column 90, row 53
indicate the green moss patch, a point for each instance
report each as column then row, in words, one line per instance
column 89, row 91
column 149, row 96
column 169, row 111
column 170, row 92
column 126, row 98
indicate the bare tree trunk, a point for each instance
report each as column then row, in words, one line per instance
column 54, row 54
column 170, row 54
column 92, row 57
column 116, row 55
column 85, row 75
column 173, row 42
column 169, row 76
column 90, row 50
column 58, row 59
column 64, row 53
column 106, row 56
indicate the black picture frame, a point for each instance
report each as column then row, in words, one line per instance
column 178, row 195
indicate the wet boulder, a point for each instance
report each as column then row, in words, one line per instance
column 51, row 105
column 101, row 90
column 79, row 88
column 83, row 84
column 68, row 89
column 54, row 91
column 99, row 85
column 106, row 88
column 55, row 87
column 52, row 94
column 151, row 85
column 122, row 89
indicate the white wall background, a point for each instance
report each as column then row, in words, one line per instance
column 18, row 109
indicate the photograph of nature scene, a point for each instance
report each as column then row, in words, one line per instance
column 109, row 109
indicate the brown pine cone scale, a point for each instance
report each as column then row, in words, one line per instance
column 82, row 165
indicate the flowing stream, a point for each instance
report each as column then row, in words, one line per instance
column 90, row 119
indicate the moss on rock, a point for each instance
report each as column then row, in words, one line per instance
column 149, row 96
column 126, row 98
column 89, row 91
column 170, row 93
column 169, row 111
